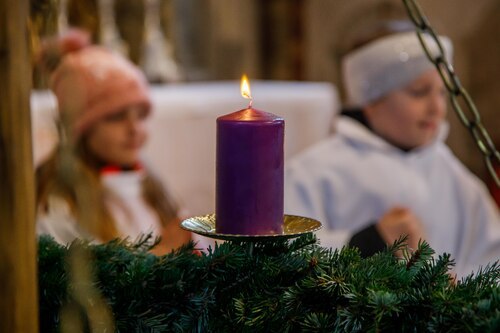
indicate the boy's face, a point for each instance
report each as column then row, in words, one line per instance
column 118, row 138
column 409, row 117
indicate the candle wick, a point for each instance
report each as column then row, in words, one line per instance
column 250, row 103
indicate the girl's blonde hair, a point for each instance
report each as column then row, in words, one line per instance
column 74, row 175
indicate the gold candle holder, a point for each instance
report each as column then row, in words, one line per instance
column 293, row 226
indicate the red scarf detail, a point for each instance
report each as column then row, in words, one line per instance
column 112, row 168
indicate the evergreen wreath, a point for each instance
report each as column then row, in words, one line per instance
column 268, row 286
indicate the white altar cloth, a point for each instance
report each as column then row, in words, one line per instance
column 181, row 146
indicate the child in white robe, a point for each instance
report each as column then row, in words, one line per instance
column 387, row 171
column 94, row 185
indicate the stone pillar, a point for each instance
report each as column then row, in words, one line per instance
column 18, row 282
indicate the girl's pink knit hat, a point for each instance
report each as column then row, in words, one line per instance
column 91, row 82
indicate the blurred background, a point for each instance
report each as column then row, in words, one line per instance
column 299, row 40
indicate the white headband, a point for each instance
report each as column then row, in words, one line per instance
column 386, row 64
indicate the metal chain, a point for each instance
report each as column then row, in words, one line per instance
column 469, row 116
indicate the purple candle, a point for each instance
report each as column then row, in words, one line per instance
column 249, row 193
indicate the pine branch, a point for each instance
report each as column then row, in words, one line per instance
column 275, row 286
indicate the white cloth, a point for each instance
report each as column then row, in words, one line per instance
column 349, row 180
column 132, row 215
column 181, row 145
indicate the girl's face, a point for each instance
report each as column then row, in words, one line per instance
column 117, row 138
column 409, row 117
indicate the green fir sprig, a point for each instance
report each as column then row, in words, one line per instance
column 273, row 286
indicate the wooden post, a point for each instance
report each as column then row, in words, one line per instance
column 18, row 283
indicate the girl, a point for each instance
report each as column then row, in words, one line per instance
column 94, row 185
column 387, row 172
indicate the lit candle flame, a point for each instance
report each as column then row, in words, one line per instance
column 245, row 89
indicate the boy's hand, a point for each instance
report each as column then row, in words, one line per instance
column 400, row 221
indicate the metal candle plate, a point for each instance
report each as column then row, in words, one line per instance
column 293, row 226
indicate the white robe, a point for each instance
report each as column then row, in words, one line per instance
column 351, row 179
column 132, row 215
